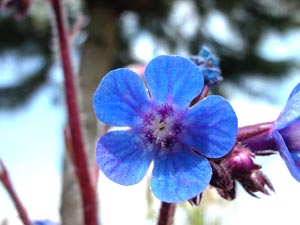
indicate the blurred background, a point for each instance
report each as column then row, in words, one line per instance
column 259, row 50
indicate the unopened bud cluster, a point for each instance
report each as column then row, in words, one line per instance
column 239, row 166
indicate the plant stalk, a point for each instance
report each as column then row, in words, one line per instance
column 88, row 193
column 166, row 214
column 253, row 130
column 6, row 181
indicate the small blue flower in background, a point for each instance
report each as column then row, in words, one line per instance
column 162, row 128
column 287, row 133
column 43, row 222
column 209, row 65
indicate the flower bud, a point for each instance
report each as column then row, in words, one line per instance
column 240, row 161
column 209, row 65
column 238, row 166
column 257, row 182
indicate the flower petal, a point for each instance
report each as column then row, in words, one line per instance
column 291, row 135
column 120, row 98
column 210, row 127
column 290, row 112
column 295, row 90
column 174, row 80
column 180, row 176
column 123, row 157
column 292, row 161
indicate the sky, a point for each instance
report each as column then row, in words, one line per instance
column 31, row 146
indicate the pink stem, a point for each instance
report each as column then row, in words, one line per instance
column 253, row 130
column 5, row 179
column 88, row 193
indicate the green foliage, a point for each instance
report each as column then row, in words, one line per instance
column 195, row 216
column 249, row 22
column 25, row 37
column 16, row 95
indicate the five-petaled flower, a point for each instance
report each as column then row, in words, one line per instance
column 162, row 128
column 283, row 135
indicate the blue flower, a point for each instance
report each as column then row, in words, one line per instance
column 283, row 135
column 162, row 128
column 286, row 133
column 208, row 63
column 43, row 222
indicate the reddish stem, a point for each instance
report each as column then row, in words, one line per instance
column 253, row 130
column 88, row 194
column 166, row 214
column 5, row 179
column 204, row 93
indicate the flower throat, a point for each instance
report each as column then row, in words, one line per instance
column 161, row 126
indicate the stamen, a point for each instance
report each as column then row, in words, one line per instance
column 161, row 126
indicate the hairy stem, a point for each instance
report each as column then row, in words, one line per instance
column 253, row 130
column 88, row 194
column 166, row 214
column 5, row 179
